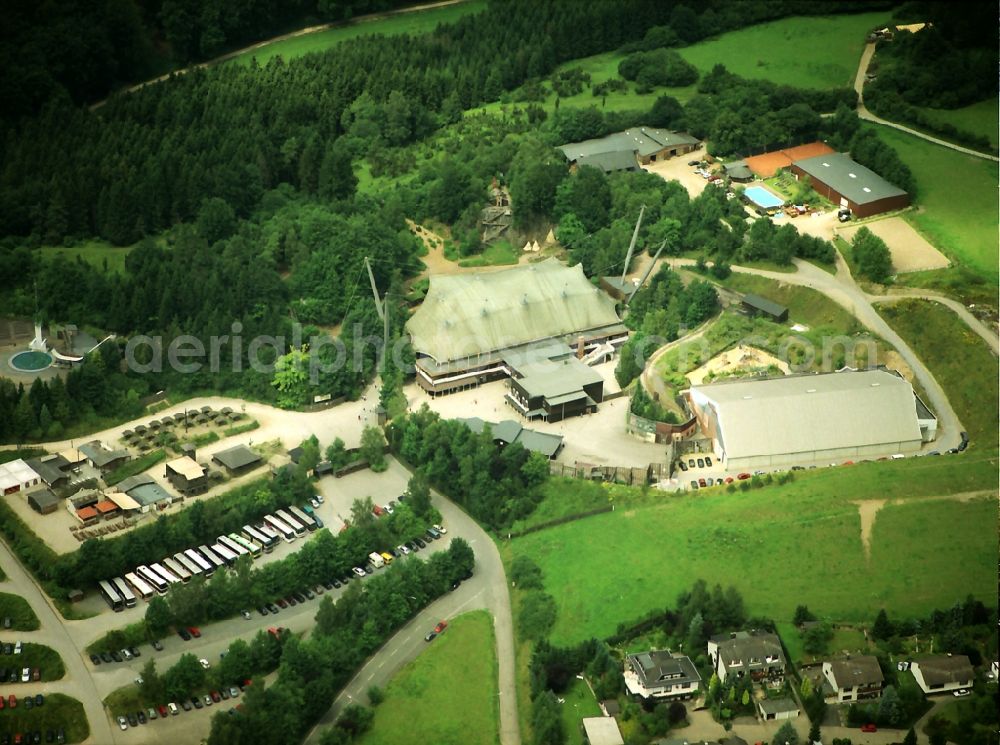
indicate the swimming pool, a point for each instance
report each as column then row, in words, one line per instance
column 32, row 361
column 763, row 198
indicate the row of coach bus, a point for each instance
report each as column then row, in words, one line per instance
column 156, row 578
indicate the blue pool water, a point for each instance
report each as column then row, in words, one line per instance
column 762, row 197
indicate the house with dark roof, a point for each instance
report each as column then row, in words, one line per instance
column 554, row 389
column 52, row 469
column 754, row 653
column 849, row 184
column 772, row 709
column 625, row 151
column 942, row 673
column 662, row 675
column 186, row 475
column 100, row 456
column 43, row 501
column 145, row 491
column 237, row 460
column 854, row 679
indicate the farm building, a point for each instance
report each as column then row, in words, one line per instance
column 766, row 165
column 626, row 151
column 101, row 456
column 43, row 501
column 508, row 432
column 475, row 328
column 52, row 469
column 16, row 476
column 849, row 184
column 811, row 418
column 756, row 305
column 237, row 460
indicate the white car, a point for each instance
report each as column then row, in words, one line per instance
column 402, row 549
column 315, row 503
column 139, row 681
column 961, row 693
column 360, row 572
column 388, row 508
column 17, row 648
column 204, row 663
column 26, row 675
column 319, row 498
column 207, row 700
column 174, row 709
column 126, row 654
column 122, row 723
column 439, row 529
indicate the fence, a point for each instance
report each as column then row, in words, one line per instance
column 560, row 521
column 628, row 475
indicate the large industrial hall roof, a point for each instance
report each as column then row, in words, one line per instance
column 812, row 412
column 469, row 315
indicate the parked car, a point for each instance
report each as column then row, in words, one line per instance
column 207, row 699
column 132, row 720
column 403, row 550
column 743, row 476
column 135, row 651
column 378, row 511
column 186, row 705
column 12, row 701
column 246, row 614
column 315, row 503
column 440, row 529
column 157, row 645
column 299, row 596
column 234, row 692
column 411, row 545
column 151, row 714
column 336, row 583
column 126, row 654
column 388, row 509
column 204, row 663
column 869, row 728
column 122, row 723
column 225, row 694
column 441, row 626
column 39, row 699
column 18, row 647
column 961, row 693
column 272, row 607
column 165, row 711
column 690, row 462
column 173, row 709
column 262, row 610
column 194, row 631
column 358, row 571
column 184, row 634
column 141, row 716
column 309, row 595
column 701, row 482
column 93, row 658
column 420, row 542
column 215, row 696
column 701, row 463
column 708, row 461
column 694, row 484
column 710, row 481
column 683, row 465
column 196, row 702
column 26, row 675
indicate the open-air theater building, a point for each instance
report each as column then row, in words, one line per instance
column 530, row 323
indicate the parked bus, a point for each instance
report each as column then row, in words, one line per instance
column 266, row 541
column 166, row 575
column 211, row 556
column 291, row 522
column 207, row 567
column 303, row 518
column 158, row 583
column 124, row 591
column 179, row 571
column 233, row 546
column 251, row 546
column 275, row 524
column 268, row 532
column 111, row 596
column 225, row 554
column 194, row 569
column 139, row 585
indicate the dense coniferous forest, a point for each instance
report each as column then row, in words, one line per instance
column 238, row 187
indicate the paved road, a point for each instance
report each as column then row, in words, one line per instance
column 301, row 32
column 486, row 589
column 864, row 113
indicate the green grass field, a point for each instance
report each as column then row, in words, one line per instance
column 805, row 305
column 957, row 201
column 417, row 22
column 16, row 608
column 46, row 659
column 59, row 711
column 812, row 52
column 579, row 703
column 979, row 118
column 96, row 252
column 448, row 694
column 500, row 253
column 780, row 546
column 845, row 639
column 959, row 360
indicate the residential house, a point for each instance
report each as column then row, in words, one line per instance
column 943, row 673
column 754, row 653
column 854, row 679
column 660, row 674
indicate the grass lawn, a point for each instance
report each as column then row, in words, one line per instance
column 812, row 52
column 804, row 537
column 496, row 254
column 57, row 712
column 805, row 305
column 46, row 659
column 845, row 639
column 579, row 703
column 563, row 497
column 94, row 251
column 978, row 118
column 16, row 608
column 448, row 694
column 418, row 22
column 957, row 200
column 959, row 360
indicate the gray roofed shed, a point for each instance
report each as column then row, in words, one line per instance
column 848, row 177
column 508, row 431
column 237, row 458
column 758, row 304
column 610, row 162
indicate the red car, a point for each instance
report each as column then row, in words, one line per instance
column 194, row 631
column 442, row 625
column 743, row 476
column 378, row 511
column 729, row 479
column 12, row 701
column 164, row 711
column 701, row 482
column 216, row 697
column 869, row 728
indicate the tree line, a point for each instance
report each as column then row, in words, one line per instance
column 311, row 672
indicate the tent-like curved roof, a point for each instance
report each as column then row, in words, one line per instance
column 473, row 314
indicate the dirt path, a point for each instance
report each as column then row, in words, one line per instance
column 864, row 113
column 291, row 35
column 868, row 510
